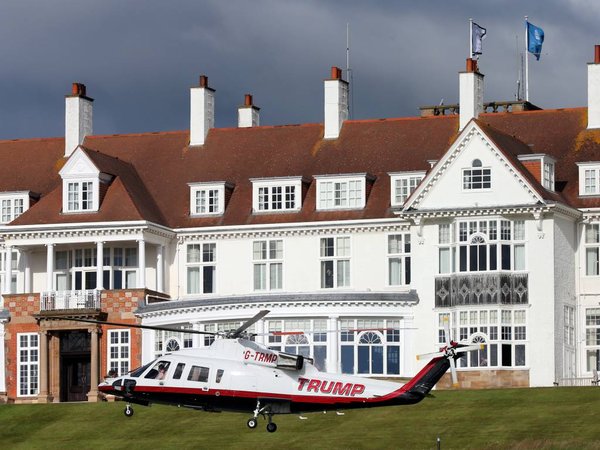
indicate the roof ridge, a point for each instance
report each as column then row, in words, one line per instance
column 2, row 141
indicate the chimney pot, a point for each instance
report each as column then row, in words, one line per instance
column 203, row 81
column 336, row 73
column 78, row 89
column 472, row 65
column 597, row 54
column 248, row 100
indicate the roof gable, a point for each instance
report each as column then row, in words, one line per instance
column 79, row 165
column 448, row 183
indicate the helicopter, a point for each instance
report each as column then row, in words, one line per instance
column 237, row 374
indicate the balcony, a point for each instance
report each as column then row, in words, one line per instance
column 65, row 300
column 483, row 288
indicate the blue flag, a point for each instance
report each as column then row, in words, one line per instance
column 535, row 38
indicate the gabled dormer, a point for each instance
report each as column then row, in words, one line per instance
column 83, row 184
column 541, row 166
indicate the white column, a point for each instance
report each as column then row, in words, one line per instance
column 333, row 344
column 99, row 265
column 197, row 339
column 27, row 271
column 50, row 267
column 260, row 331
column 160, row 268
column 142, row 263
column 7, row 270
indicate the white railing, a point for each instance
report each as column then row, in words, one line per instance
column 581, row 381
column 57, row 300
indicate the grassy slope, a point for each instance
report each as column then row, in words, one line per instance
column 524, row 418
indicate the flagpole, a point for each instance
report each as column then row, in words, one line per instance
column 526, row 60
column 470, row 38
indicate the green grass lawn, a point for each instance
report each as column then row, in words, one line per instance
column 558, row 418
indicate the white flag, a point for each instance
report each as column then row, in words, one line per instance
column 477, row 35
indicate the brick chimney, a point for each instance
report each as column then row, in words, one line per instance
column 336, row 103
column 202, row 111
column 470, row 93
column 248, row 114
column 78, row 117
column 594, row 90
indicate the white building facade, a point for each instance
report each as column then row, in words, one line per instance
column 366, row 236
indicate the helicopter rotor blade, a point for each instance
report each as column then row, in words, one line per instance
column 453, row 371
column 236, row 333
column 430, row 355
column 132, row 325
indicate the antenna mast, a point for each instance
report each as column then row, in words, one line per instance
column 349, row 74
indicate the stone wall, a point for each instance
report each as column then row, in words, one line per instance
column 487, row 379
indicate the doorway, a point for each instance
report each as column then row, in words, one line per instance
column 75, row 360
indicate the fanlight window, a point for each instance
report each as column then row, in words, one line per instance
column 370, row 337
column 172, row 345
column 297, row 339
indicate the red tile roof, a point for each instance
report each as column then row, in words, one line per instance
column 153, row 170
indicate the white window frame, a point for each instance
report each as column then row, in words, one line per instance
column 346, row 197
column 402, row 185
column 388, row 330
column 31, row 364
column 268, row 262
column 467, row 182
column 592, row 332
column 589, row 171
column 287, row 187
column 591, row 254
column 120, row 360
column 500, row 326
column 200, row 265
column 547, row 168
column 198, row 208
column 403, row 255
column 12, row 205
column 311, row 343
column 338, row 261
column 76, row 206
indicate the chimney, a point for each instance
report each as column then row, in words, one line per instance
column 202, row 111
column 248, row 115
column 78, row 118
column 470, row 93
column 594, row 90
column 336, row 103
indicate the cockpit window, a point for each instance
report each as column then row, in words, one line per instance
column 219, row 375
column 159, row 370
column 198, row 373
column 140, row 370
column 178, row 371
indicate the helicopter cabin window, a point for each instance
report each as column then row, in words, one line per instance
column 198, row 373
column 140, row 370
column 158, row 371
column 219, row 376
column 178, row 371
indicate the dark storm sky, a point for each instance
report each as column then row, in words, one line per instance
column 139, row 58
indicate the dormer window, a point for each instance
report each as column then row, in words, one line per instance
column 82, row 178
column 403, row 185
column 477, row 177
column 207, row 198
column 589, row 178
column 541, row 166
column 341, row 191
column 12, row 205
column 276, row 194
column 80, row 196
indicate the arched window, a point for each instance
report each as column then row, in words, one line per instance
column 172, row 345
column 370, row 353
column 477, row 177
column 297, row 344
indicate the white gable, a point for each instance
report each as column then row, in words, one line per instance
column 79, row 165
column 444, row 186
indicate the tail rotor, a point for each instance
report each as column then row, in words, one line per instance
column 452, row 351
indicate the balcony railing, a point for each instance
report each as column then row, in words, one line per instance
column 58, row 300
column 502, row 288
